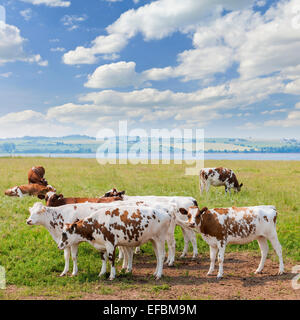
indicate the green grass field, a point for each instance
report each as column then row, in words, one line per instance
column 33, row 262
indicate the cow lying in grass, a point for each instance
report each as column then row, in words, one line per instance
column 29, row 190
column 36, row 176
column 218, row 177
column 53, row 219
column 57, row 200
column 128, row 226
column 222, row 226
column 180, row 202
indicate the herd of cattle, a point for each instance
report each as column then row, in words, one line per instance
column 127, row 222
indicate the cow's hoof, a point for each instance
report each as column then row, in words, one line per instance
column 258, row 272
column 280, row 273
column 63, row 274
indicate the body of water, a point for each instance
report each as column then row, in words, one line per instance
column 207, row 156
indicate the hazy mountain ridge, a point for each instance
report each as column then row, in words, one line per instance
column 86, row 144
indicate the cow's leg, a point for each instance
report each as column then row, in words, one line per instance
column 103, row 266
column 193, row 240
column 67, row 252
column 213, row 254
column 264, row 248
column 121, row 254
column 186, row 242
column 130, row 259
column 111, row 251
column 74, row 253
column 125, row 257
column 207, row 186
column 160, row 244
column 221, row 247
column 171, row 243
column 156, row 255
column 277, row 247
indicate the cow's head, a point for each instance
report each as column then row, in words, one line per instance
column 193, row 214
column 70, row 235
column 114, row 193
column 238, row 188
column 51, row 198
column 14, row 192
column 37, row 214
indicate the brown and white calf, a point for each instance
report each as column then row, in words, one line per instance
column 128, row 226
column 29, row 190
column 57, row 200
column 221, row 226
column 36, row 176
column 218, row 177
column 53, row 219
column 180, row 202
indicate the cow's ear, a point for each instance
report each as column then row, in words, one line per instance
column 183, row 211
column 241, row 185
column 122, row 192
column 202, row 210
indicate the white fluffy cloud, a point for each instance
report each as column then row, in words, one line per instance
column 292, row 119
column 120, row 74
column 155, row 20
column 49, row 3
column 101, row 45
column 11, row 46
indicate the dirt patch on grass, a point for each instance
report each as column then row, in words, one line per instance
column 188, row 280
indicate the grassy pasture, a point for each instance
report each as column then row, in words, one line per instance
column 30, row 256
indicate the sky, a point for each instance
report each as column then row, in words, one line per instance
column 229, row 67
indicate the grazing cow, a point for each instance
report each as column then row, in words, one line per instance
column 180, row 202
column 128, row 226
column 55, row 200
column 218, row 177
column 29, row 190
column 221, row 226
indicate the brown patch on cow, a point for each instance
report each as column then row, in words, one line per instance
column 275, row 218
column 239, row 209
column 265, row 218
column 75, row 207
column 222, row 210
column 209, row 225
column 223, row 173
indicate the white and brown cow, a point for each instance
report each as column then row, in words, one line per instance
column 29, row 190
column 53, row 219
column 218, row 177
column 222, row 226
column 180, row 202
column 128, row 226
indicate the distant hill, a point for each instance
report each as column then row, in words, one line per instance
column 85, row 144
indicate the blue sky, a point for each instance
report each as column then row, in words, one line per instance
column 74, row 67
